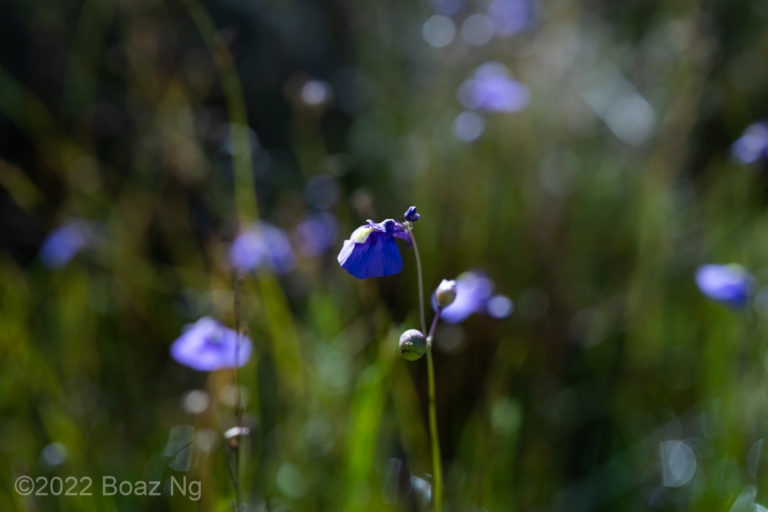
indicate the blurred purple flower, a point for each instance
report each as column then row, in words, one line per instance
column 509, row 17
column 752, row 145
column 474, row 294
column 207, row 345
column 491, row 89
column 63, row 243
column 261, row 244
column 729, row 284
column 316, row 233
column 371, row 250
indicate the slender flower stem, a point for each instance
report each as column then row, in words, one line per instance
column 431, row 334
column 435, row 441
column 236, row 307
column 437, row 471
column 235, row 474
column 421, row 280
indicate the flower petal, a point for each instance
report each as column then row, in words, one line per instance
column 377, row 256
column 730, row 284
column 207, row 345
column 63, row 244
column 473, row 290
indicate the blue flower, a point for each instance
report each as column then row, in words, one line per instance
column 207, row 345
column 411, row 215
column 372, row 251
column 490, row 89
column 316, row 233
column 729, row 284
column 62, row 244
column 474, row 294
column 752, row 145
column 259, row 245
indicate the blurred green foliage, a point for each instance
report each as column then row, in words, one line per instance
column 169, row 123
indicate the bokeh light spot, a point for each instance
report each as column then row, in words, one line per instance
column 678, row 463
column 438, row 31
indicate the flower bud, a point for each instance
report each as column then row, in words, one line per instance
column 411, row 215
column 445, row 293
column 413, row 344
column 234, row 434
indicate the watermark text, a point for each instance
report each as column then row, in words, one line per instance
column 107, row 485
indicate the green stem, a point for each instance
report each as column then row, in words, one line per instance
column 437, row 471
column 238, row 403
column 421, row 281
column 431, row 334
column 242, row 160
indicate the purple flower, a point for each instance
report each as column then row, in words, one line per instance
column 729, row 284
column 491, row 89
column 509, row 17
column 474, row 294
column 261, row 244
column 207, row 345
column 752, row 145
column 411, row 215
column 316, row 233
column 62, row 244
column 372, row 251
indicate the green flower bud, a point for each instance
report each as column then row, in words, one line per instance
column 413, row 344
column 445, row 293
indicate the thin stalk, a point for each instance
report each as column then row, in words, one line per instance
column 435, row 442
column 431, row 334
column 421, row 281
column 437, row 471
column 238, row 404
column 231, row 474
column 236, row 307
column 242, row 161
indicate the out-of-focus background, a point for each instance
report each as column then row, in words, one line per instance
column 580, row 154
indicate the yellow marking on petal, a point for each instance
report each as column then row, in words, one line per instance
column 361, row 234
